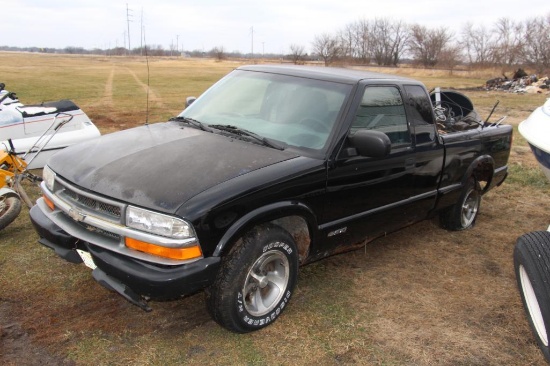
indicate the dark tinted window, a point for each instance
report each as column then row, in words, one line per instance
column 420, row 113
column 382, row 109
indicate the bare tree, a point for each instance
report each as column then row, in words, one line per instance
column 297, row 53
column 155, row 50
column 218, row 52
column 450, row 56
column 387, row 41
column 346, row 38
column 478, row 44
column 537, row 43
column 327, row 47
column 426, row 45
column 508, row 45
column 400, row 38
column 362, row 40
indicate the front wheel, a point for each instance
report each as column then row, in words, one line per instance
column 532, row 263
column 255, row 281
column 10, row 206
column 464, row 213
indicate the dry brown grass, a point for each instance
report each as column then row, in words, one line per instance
column 421, row 296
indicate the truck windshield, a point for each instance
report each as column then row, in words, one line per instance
column 293, row 111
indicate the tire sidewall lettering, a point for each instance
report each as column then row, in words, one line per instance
column 278, row 245
column 265, row 319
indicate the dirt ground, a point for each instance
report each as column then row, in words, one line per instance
column 421, row 296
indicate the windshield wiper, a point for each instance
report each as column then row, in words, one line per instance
column 192, row 122
column 242, row 132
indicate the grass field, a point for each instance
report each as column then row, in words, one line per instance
column 421, row 296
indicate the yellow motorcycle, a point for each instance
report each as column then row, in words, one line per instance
column 13, row 170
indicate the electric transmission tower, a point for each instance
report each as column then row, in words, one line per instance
column 128, row 16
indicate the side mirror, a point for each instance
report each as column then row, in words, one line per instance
column 372, row 144
column 189, row 101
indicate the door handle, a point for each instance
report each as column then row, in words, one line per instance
column 410, row 163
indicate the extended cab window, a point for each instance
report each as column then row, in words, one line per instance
column 420, row 112
column 382, row 109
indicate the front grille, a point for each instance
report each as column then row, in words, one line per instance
column 92, row 203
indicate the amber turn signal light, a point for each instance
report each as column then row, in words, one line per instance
column 172, row 253
column 49, row 203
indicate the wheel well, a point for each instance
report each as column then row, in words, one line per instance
column 298, row 229
column 483, row 173
column 295, row 225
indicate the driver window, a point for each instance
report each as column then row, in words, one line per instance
column 382, row 109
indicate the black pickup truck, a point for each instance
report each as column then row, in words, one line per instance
column 271, row 168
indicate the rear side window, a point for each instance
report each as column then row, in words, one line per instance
column 382, row 109
column 420, row 112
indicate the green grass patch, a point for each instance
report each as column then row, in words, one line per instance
column 521, row 175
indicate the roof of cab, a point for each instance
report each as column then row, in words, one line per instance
column 340, row 75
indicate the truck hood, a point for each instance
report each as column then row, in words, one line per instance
column 160, row 166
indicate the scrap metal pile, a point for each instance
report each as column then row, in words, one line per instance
column 521, row 82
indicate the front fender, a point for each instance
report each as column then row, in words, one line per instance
column 267, row 213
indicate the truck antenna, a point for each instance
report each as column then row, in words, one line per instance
column 147, row 62
column 492, row 110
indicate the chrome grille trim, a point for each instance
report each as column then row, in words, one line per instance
column 100, row 229
column 77, row 197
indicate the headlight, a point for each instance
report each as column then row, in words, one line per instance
column 158, row 224
column 48, row 176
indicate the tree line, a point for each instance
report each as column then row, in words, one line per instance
column 388, row 42
column 385, row 42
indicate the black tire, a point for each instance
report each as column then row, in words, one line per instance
column 10, row 206
column 463, row 214
column 255, row 281
column 532, row 266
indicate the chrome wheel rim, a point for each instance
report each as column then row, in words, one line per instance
column 533, row 305
column 266, row 283
column 469, row 208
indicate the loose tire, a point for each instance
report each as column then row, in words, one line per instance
column 464, row 213
column 532, row 266
column 10, row 206
column 255, row 281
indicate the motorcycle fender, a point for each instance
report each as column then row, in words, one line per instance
column 8, row 192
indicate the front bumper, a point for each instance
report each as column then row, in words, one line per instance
column 132, row 278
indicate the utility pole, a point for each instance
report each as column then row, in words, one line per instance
column 252, row 42
column 177, row 44
column 128, row 15
column 141, row 35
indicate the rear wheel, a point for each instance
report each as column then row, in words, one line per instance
column 464, row 213
column 255, row 281
column 10, row 206
column 532, row 266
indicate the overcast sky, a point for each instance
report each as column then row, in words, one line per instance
column 204, row 24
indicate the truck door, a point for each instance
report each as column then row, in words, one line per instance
column 429, row 152
column 369, row 196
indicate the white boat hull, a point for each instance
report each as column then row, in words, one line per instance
column 24, row 125
column 536, row 130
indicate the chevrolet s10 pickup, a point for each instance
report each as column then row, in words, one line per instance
column 271, row 168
